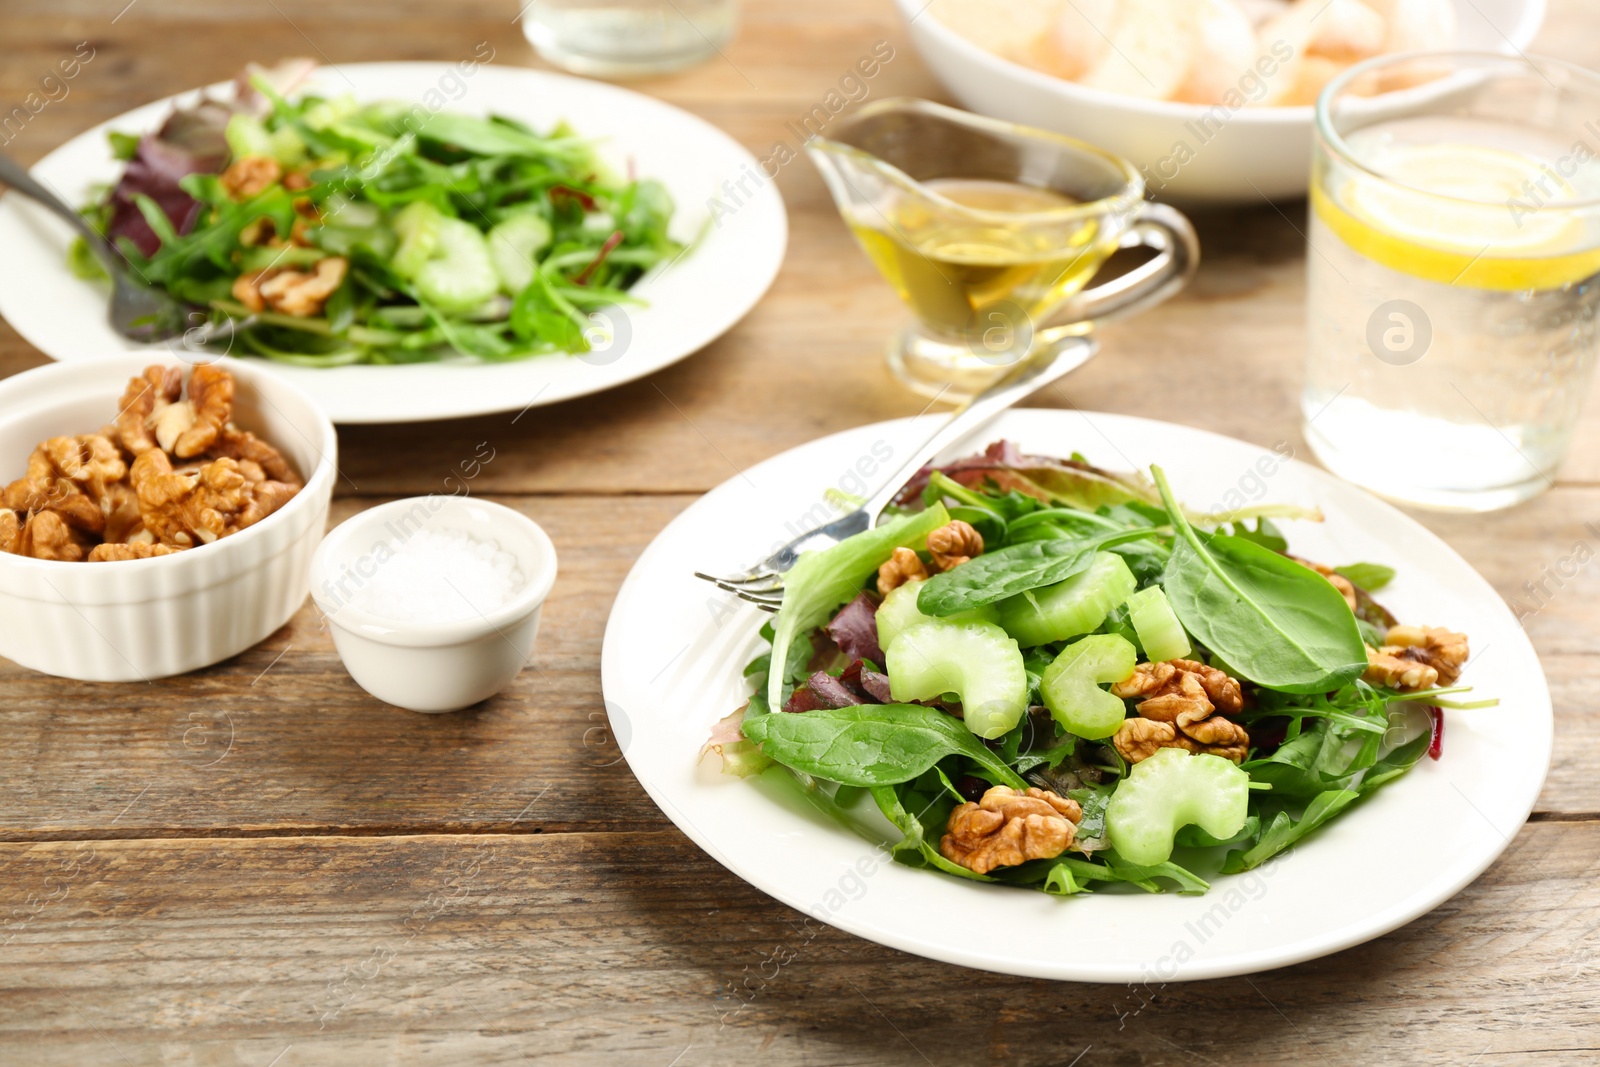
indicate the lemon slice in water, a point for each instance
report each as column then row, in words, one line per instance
column 1481, row 225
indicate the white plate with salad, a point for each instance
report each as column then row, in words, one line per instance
column 409, row 241
column 1195, row 711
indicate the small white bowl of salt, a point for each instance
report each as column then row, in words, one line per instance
column 434, row 601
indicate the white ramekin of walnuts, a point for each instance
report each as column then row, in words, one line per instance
column 156, row 516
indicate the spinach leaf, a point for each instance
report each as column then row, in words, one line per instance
column 1369, row 576
column 1145, row 559
column 1265, row 534
column 1015, row 569
column 872, row 744
column 1280, row 624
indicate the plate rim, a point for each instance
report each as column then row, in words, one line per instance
column 764, row 267
column 1409, row 907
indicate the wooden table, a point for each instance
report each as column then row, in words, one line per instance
column 258, row 864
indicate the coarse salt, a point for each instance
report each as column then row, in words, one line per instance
column 438, row 576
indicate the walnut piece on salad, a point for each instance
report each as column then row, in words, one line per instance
column 250, row 176
column 953, row 544
column 1183, row 707
column 301, row 293
column 1413, row 658
column 168, row 474
column 1006, row 828
column 901, row 567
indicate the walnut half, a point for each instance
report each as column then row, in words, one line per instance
column 1443, row 650
column 1006, row 828
column 902, row 567
column 1183, row 707
column 953, row 544
column 293, row 292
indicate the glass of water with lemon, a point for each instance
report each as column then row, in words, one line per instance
column 1454, row 275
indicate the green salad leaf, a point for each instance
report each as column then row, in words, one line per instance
column 1276, row 622
column 872, row 744
column 1285, row 831
column 1368, row 576
column 914, row 847
column 1014, row 569
column 819, row 582
column 459, row 235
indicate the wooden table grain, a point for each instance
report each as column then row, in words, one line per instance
column 257, row 864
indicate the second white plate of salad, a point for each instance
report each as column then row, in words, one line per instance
column 1077, row 727
column 404, row 258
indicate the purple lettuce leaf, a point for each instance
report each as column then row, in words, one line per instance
column 855, row 629
column 822, row 690
column 191, row 141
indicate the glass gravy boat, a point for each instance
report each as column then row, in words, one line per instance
column 991, row 232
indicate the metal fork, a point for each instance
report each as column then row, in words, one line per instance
column 763, row 583
column 139, row 311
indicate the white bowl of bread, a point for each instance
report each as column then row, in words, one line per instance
column 1210, row 99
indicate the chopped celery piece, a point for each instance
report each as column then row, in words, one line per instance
column 976, row 660
column 246, row 136
column 1158, row 627
column 899, row 613
column 418, row 226
column 1076, row 606
column 1170, row 790
column 459, row 276
column 1071, row 685
column 821, row 581
column 514, row 247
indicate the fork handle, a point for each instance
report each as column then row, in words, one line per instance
column 15, row 175
column 21, row 182
column 1070, row 354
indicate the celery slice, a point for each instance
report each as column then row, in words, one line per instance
column 1157, row 625
column 821, row 581
column 976, row 660
column 899, row 613
column 460, row 275
column 418, row 226
column 514, row 247
column 1076, row 606
column 1071, row 685
column 246, row 136
column 1170, row 790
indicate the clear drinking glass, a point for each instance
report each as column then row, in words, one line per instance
column 1452, row 289
column 628, row 38
column 990, row 232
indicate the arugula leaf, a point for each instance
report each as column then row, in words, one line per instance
column 871, row 744
column 1278, row 623
column 1068, row 874
column 915, row 842
column 1286, row 830
column 1015, row 569
column 1368, row 576
column 1093, row 799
